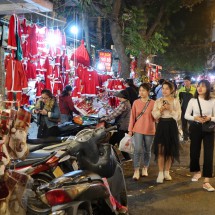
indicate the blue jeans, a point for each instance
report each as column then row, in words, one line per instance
column 142, row 150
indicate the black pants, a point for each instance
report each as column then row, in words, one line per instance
column 116, row 138
column 44, row 131
column 184, row 124
column 196, row 137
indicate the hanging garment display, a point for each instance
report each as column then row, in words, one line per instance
column 81, row 55
column 16, row 79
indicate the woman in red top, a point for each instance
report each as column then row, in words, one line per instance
column 142, row 126
column 66, row 105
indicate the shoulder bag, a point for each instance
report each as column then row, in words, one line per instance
column 208, row 126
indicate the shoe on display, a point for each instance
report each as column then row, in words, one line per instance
column 144, row 172
column 208, row 187
column 136, row 175
column 160, row 178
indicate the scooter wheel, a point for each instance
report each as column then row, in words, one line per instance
column 35, row 205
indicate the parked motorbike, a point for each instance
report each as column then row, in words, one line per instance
column 98, row 188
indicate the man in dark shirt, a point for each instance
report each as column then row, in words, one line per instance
column 132, row 90
column 185, row 93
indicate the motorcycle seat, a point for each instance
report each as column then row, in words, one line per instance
column 38, row 154
column 27, row 162
column 49, row 140
column 35, row 147
column 75, row 177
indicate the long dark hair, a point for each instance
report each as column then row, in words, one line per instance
column 207, row 84
column 48, row 93
column 65, row 93
column 66, row 90
column 170, row 85
column 145, row 86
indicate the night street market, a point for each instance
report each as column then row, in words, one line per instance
column 107, row 107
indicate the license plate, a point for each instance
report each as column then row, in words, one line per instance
column 58, row 172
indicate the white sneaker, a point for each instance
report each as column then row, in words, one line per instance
column 167, row 176
column 136, row 175
column 160, row 178
column 144, row 172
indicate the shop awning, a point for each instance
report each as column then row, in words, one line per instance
column 24, row 6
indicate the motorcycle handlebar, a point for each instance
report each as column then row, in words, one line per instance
column 44, row 160
column 111, row 128
column 64, row 154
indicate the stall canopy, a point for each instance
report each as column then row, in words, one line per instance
column 24, row 6
column 81, row 55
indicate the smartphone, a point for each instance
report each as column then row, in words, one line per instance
column 164, row 102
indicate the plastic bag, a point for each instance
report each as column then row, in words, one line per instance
column 126, row 144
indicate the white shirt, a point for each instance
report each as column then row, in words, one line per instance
column 207, row 106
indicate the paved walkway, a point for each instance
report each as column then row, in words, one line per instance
column 177, row 197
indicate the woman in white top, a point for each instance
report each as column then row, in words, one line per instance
column 197, row 135
column 167, row 111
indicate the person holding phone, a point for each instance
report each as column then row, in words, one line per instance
column 201, row 100
column 167, row 112
column 48, row 114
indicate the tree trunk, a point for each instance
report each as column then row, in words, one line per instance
column 120, row 48
column 99, row 32
column 86, row 30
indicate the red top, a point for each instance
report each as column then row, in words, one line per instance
column 66, row 105
column 146, row 123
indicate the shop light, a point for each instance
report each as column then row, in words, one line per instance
column 100, row 66
column 74, row 29
column 52, row 39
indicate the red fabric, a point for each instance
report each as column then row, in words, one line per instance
column 76, row 88
column 16, row 79
column 11, row 44
column 31, row 70
column 25, row 99
column 81, row 55
column 56, row 71
column 66, row 105
column 64, row 79
column 47, row 73
column 24, row 42
column 90, row 82
column 64, row 64
column 41, row 36
column 32, row 41
column 39, row 87
column 6, row 60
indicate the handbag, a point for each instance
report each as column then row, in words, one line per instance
column 126, row 144
column 208, row 126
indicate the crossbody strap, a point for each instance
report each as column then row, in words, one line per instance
column 200, row 109
column 144, row 109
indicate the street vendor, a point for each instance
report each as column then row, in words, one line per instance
column 121, row 115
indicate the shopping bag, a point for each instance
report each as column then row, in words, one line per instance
column 126, row 144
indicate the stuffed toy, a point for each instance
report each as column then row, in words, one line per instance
column 17, row 144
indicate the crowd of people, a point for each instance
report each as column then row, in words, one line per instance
column 150, row 121
column 157, row 122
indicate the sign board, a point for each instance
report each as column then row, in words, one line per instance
column 106, row 59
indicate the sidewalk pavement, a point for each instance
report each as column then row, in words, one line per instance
column 177, row 197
